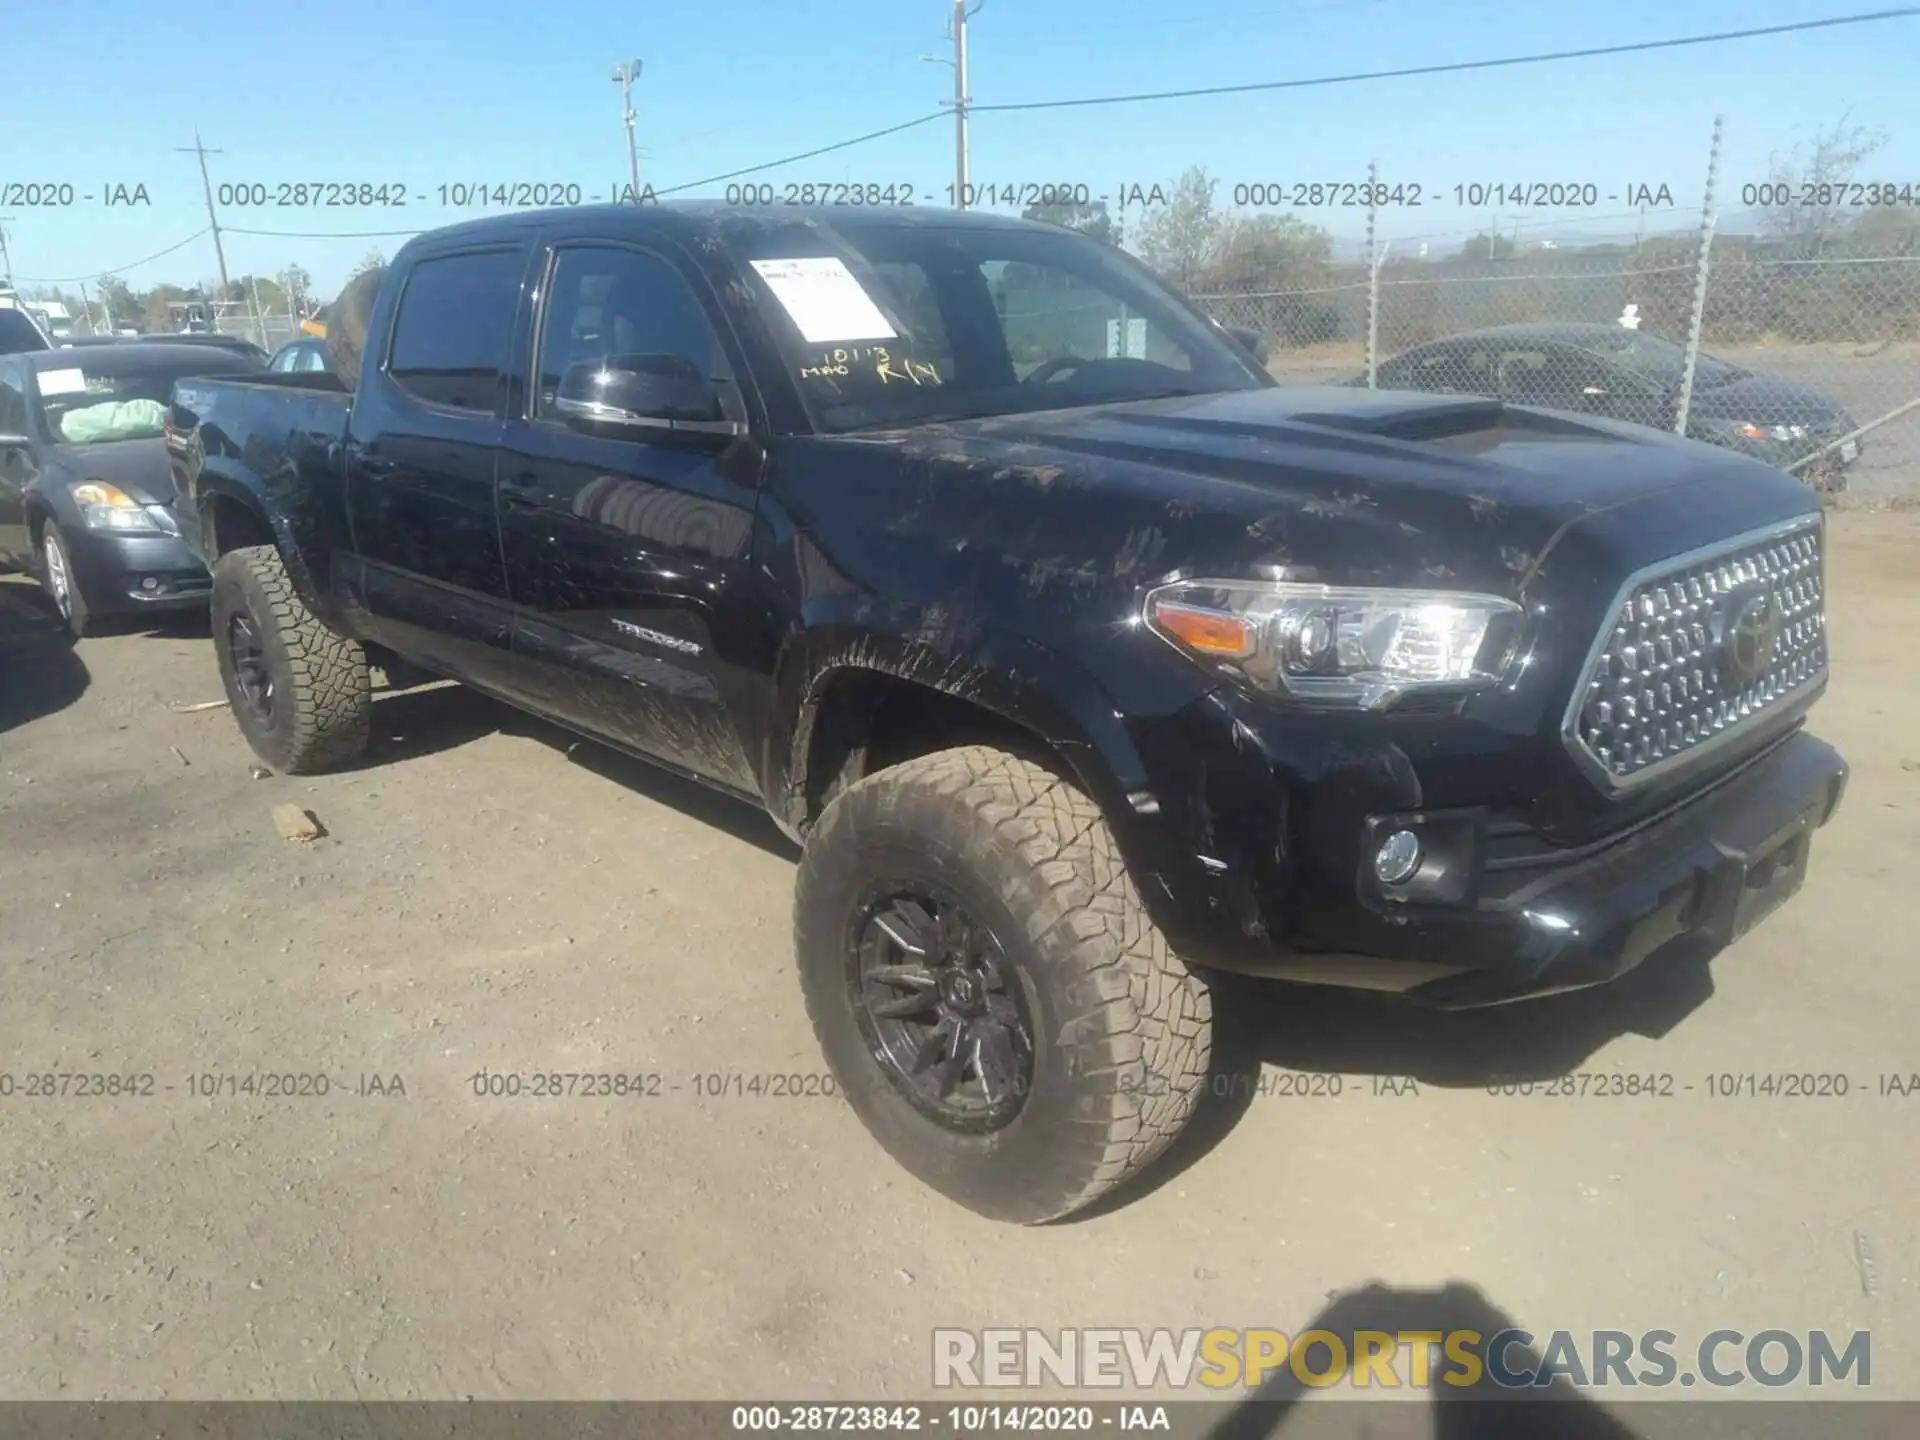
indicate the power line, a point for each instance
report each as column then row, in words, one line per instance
column 112, row 269
column 806, row 154
column 1455, row 67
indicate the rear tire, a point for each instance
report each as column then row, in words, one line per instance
column 300, row 692
column 1114, row 1056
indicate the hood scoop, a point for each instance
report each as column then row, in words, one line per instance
column 1422, row 420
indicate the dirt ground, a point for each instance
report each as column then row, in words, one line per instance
column 493, row 895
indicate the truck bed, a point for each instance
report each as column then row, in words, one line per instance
column 264, row 434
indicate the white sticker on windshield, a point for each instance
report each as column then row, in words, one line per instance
column 63, row 382
column 824, row 299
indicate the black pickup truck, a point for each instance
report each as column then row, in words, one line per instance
column 1085, row 662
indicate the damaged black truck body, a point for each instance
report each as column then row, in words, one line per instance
column 1084, row 661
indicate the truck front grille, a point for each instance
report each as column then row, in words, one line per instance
column 1698, row 649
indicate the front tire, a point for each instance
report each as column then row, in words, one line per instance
column 62, row 583
column 300, row 693
column 988, row 989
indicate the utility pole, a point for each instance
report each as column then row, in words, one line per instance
column 624, row 76
column 962, row 157
column 6, row 255
column 207, row 185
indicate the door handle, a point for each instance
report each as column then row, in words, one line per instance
column 524, row 490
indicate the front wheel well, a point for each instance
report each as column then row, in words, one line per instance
column 869, row 720
column 235, row 525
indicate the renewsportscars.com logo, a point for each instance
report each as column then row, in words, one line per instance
column 1514, row 1359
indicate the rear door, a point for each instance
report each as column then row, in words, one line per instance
column 627, row 554
column 423, row 446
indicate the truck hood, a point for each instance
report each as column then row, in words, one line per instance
column 1343, row 486
column 138, row 467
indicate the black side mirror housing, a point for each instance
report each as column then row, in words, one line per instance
column 647, row 396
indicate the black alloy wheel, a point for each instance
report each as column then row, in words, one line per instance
column 252, row 671
column 942, row 1009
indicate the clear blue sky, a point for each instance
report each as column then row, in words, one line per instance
column 428, row 92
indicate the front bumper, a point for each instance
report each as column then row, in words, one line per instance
column 122, row 574
column 1520, row 916
column 1708, row 871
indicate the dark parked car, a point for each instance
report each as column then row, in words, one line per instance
column 1084, row 661
column 300, row 357
column 238, row 345
column 84, row 483
column 1632, row 375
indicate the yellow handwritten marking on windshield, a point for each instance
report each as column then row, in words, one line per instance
column 917, row 372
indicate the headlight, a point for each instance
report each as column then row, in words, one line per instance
column 107, row 507
column 1352, row 646
column 1751, row 431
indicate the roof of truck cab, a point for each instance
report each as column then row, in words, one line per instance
column 686, row 218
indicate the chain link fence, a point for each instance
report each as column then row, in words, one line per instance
column 1808, row 361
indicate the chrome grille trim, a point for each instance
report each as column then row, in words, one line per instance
column 1655, row 692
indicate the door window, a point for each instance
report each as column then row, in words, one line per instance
column 454, row 335
column 605, row 301
column 1548, row 375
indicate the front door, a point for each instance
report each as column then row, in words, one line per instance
column 627, row 552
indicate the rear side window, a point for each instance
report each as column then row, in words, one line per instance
column 454, row 335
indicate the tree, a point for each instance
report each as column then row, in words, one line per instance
column 1180, row 240
column 1089, row 219
column 1487, row 247
column 124, row 306
column 245, row 287
column 1265, row 253
column 1816, row 177
column 372, row 260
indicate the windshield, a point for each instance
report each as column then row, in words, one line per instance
column 898, row 324
column 1662, row 361
column 85, row 403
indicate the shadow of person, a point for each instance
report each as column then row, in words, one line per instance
column 1482, row 1410
column 40, row 671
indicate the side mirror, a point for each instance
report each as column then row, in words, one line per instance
column 1252, row 339
column 645, row 395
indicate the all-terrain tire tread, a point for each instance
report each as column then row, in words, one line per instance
column 1141, row 1025
column 332, row 715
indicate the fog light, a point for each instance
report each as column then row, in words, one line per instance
column 1397, row 858
column 149, row 584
